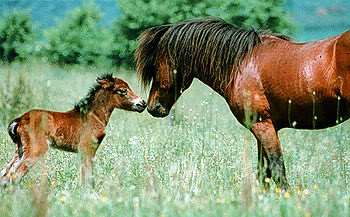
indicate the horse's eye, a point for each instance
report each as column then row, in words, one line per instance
column 122, row 92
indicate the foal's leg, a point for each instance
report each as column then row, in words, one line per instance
column 86, row 170
column 20, row 168
column 34, row 147
column 4, row 172
column 266, row 134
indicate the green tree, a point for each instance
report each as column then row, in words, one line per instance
column 16, row 36
column 78, row 39
column 137, row 15
column 260, row 14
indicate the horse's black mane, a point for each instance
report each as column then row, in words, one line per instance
column 84, row 105
column 210, row 46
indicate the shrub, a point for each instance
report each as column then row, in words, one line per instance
column 265, row 15
column 78, row 39
column 16, row 36
column 137, row 15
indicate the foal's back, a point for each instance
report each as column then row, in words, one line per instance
column 58, row 129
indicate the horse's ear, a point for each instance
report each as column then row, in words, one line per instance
column 105, row 83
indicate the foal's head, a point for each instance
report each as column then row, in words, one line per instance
column 110, row 92
column 120, row 94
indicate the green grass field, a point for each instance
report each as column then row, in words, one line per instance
column 202, row 166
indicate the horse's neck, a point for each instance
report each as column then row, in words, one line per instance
column 210, row 81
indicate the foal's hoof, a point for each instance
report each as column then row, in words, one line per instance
column 4, row 183
column 3, row 173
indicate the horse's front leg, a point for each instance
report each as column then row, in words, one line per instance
column 264, row 172
column 267, row 136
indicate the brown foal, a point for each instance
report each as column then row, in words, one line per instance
column 81, row 129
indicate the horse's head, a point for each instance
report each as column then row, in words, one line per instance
column 122, row 96
column 167, row 87
column 155, row 65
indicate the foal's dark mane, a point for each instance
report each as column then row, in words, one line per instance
column 210, row 46
column 84, row 104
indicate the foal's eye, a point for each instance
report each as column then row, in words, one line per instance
column 122, row 92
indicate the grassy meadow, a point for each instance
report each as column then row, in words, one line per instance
column 203, row 164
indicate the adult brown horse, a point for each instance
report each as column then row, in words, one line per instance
column 279, row 82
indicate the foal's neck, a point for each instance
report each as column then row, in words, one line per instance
column 101, row 108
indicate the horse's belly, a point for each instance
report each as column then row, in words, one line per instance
column 310, row 115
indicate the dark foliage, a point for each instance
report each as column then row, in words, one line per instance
column 16, row 36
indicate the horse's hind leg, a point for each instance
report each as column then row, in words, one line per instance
column 266, row 134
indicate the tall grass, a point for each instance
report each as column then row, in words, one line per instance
column 200, row 166
column 16, row 96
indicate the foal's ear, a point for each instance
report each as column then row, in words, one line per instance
column 105, row 83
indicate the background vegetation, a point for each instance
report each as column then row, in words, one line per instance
column 204, row 165
column 79, row 39
column 16, row 36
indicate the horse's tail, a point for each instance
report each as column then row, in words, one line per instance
column 146, row 52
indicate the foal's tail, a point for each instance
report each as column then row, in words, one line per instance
column 146, row 52
column 12, row 130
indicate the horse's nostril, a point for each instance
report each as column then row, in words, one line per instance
column 158, row 106
column 157, row 110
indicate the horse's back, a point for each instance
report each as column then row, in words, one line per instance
column 303, row 67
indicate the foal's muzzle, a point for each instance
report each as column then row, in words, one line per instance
column 139, row 105
column 158, row 110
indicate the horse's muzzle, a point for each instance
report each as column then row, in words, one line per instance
column 158, row 111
